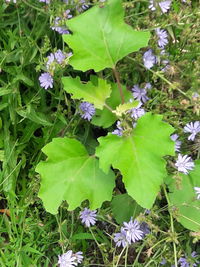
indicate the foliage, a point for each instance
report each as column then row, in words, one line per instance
column 142, row 167
column 182, row 196
column 71, row 174
column 32, row 117
column 101, row 42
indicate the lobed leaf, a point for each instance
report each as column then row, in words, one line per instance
column 95, row 94
column 70, row 174
column 139, row 157
column 101, row 37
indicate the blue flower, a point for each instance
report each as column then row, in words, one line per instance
column 162, row 37
column 193, row 128
column 133, row 231
column 174, row 137
column 149, row 59
column 184, row 163
column 197, row 191
column 188, row 262
column 88, row 217
column 87, row 110
column 139, row 93
column 70, row 259
column 46, row 81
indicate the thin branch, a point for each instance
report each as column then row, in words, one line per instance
column 116, row 73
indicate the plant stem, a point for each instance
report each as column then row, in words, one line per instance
column 116, row 73
column 172, row 227
column 120, row 255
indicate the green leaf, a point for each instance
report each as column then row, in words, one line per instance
column 105, row 118
column 101, row 37
column 124, row 207
column 137, row 157
column 71, row 174
column 184, row 199
column 95, row 94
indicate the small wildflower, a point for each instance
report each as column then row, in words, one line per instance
column 50, row 61
column 137, row 112
column 133, row 232
column 120, row 239
column 152, row 5
column 67, row 259
column 193, row 128
column 148, row 86
column 79, row 256
column 119, row 130
column 163, row 262
column 67, row 14
column 174, row 137
column 59, row 26
column 88, row 217
column 139, row 94
column 187, row 262
column 145, row 228
column 165, row 5
column 149, row 59
column 46, row 81
column 197, row 191
column 184, row 163
column 87, row 110
column 195, row 96
column 45, row 1
column 14, row 1
column 59, row 56
column 162, row 37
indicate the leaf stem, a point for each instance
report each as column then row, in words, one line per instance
column 116, row 73
column 172, row 227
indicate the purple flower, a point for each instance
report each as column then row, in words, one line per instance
column 129, row 233
column 152, row 5
column 119, row 130
column 139, row 94
column 70, row 259
column 162, row 37
column 133, row 231
column 83, row 6
column 197, row 191
column 163, row 262
column 50, row 60
column 120, row 239
column 88, row 217
column 59, row 27
column 145, row 228
column 137, row 112
column 149, row 59
column 67, row 259
column 45, row 1
column 174, row 138
column 87, row 110
column 165, row 5
column 195, row 95
column 184, row 163
column 14, row 1
column 147, row 86
column 59, row 56
column 188, row 262
column 193, row 128
column 79, row 256
column 46, row 81
column 67, row 14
